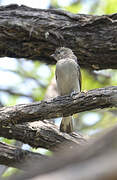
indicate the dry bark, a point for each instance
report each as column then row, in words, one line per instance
column 59, row 106
column 41, row 134
column 35, row 33
column 95, row 161
column 16, row 157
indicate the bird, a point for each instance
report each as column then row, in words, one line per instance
column 68, row 79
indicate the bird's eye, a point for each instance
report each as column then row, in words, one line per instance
column 58, row 52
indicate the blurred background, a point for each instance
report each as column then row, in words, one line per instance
column 23, row 81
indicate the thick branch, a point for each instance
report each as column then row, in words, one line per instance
column 60, row 106
column 34, row 34
column 16, row 157
column 41, row 134
column 97, row 160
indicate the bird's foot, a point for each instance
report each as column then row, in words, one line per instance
column 73, row 93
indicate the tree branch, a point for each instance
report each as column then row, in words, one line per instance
column 97, row 160
column 60, row 106
column 41, row 134
column 16, row 157
column 34, row 34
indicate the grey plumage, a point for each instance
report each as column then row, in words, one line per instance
column 68, row 78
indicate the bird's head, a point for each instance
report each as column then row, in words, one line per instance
column 62, row 53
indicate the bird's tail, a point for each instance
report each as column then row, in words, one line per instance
column 66, row 124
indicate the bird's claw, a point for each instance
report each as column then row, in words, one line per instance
column 73, row 93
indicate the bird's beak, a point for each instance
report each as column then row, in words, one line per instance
column 52, row 55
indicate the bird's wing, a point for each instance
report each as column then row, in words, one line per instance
column 56, row 74
column 80, row 77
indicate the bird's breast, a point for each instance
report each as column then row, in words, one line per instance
column 67, row 76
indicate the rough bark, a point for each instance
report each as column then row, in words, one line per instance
column 42, row 134
column 34, row 34
column 95, row 161
column 16, row 157
column 59, row 106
